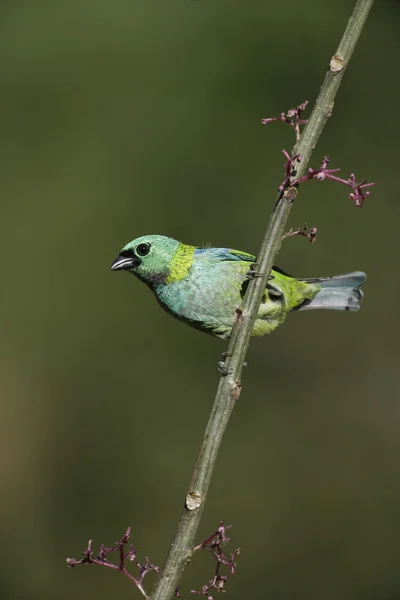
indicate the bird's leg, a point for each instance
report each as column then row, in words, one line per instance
column 254, row 274
column 222, row 368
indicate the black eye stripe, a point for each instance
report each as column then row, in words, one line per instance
column 127, row 254
column 143, row 249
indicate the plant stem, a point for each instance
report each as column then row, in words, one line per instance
column 229, row 386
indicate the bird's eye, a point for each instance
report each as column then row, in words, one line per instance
column 143, row 249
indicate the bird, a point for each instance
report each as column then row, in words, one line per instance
column 203, row 286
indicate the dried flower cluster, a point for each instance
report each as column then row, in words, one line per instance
column 126, row 553
column 303, row 231
column 290, row 184
column 214, row 545
column 89, row 558
column 292, row 118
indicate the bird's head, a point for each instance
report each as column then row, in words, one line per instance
column 148, row 257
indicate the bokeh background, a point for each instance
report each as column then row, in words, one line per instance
column 125, row 118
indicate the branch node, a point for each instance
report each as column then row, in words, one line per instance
column 239, row 316
column 237, row 388
column 337, row 63
column 290, row 194
column 193, row 501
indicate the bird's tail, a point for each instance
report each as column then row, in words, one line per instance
column 341, row 292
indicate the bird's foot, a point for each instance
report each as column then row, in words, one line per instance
column 253, row 273
column 222, row 368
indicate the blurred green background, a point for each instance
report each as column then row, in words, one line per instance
column 126, row 118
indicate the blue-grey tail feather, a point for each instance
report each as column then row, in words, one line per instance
column 341, row 292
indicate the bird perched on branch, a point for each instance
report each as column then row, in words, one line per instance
column 204, row 286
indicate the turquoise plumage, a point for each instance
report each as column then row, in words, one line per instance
column 203, row 286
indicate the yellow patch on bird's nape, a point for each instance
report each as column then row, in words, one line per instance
column 181, row 263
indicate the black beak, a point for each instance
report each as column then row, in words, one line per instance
column 124, row 262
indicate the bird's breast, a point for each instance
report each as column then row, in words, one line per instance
column 206, row 297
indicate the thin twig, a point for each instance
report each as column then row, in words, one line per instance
column 230, row 384
column 291, row 183
column 292, row 118
column 302, row 231
column 214, row 544
column 89, row 558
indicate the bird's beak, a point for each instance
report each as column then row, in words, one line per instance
column 124, row 263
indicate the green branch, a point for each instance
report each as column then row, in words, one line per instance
column 230, row 386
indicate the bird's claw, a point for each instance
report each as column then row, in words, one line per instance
column 252, row 274
column 222, row 368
